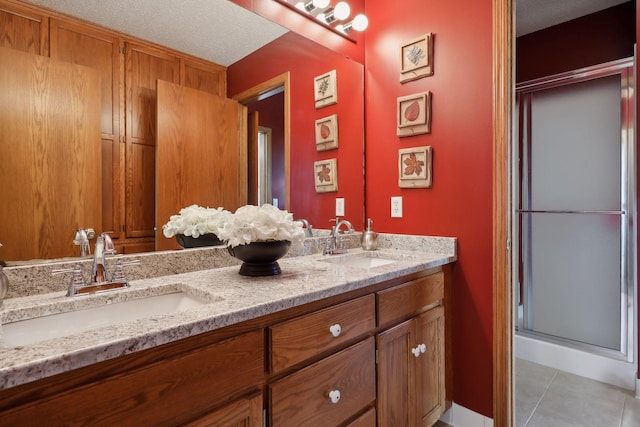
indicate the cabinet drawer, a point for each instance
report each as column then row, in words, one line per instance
column 402, row 301
column 166, row 393
column 303, row 337
column 368, row 419
column 302, row 399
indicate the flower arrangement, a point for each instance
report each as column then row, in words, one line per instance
column 260, row 224
column 195, row 221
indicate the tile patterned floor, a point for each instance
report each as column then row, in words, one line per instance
column 546, row 397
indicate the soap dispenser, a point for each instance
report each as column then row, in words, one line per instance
column 369, row 238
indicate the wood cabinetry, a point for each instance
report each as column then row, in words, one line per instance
column 129, row 69
column 284, row 369
column 411, row 355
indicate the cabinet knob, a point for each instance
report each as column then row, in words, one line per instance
column 335, row 329
column 421, row 348
column 334, row 396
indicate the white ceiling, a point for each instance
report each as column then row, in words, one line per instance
column 534, row 15
column 201, row 28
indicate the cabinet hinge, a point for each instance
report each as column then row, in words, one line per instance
column 264, row 417
column 123, row 50
column 508, row 244
column 124, row 227
column 376, row 356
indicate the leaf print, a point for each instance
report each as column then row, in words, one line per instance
column 412, row 112
column 325, row 174
column 325, row 131
column 415, row 55
column 413, row 165
column 323, row 87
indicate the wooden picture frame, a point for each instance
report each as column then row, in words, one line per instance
column 325, row 174
column 325, row 91
column 414, row 167
column 414, row 114
column 416, row 58
column 327, row 133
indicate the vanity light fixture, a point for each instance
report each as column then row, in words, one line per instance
column 338, row 13
column 359, row 23
column 329, row 16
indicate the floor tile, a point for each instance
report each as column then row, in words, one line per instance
column 532, row 381
column 631, row 412
column 573, row 401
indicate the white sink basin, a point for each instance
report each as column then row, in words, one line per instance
column 59, row 325
column 363, row 260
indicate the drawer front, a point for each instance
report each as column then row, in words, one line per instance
column 368, row 419
column 304, row 398
column 304, row 337
column 166, row 393
column 408, row 299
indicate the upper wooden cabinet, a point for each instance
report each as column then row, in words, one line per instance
column 129, row 70
column 23, row 28
column 82, row 45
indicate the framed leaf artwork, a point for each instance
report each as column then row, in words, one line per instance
column 326, row 175
column 416, row 58
column 414, row 167
column 327, row 133
column 414, row 114
column 325, row 90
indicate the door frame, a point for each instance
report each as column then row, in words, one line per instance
column 280, row 83
column 503, row 73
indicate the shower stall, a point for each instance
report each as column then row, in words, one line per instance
column 575, row 263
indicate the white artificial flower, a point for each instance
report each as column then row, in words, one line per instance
column 195, row 221
column 258, row 224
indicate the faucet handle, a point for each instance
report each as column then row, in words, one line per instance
column 118, row 273
column 77, row 279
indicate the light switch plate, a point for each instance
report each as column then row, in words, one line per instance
column 339, row 206
column 396, row 207
column 275, row 202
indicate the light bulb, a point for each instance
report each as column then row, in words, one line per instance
column 300, row 5
column 342, row 10
column 360, row 22
column 321, row 3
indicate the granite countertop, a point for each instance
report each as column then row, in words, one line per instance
column 228, row 298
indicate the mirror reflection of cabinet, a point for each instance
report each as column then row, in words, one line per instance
column 129, row 70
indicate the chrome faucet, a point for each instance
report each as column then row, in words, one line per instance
column 82, row 239
column 308, row 230
column 4, row 283
column 334, row 244
column 104, row 246
column 99, row 281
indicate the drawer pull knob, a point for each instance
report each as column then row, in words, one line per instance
column 421, row 348
column 335, row 329
column 334, row 396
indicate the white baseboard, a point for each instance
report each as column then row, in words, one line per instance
column 459, row 416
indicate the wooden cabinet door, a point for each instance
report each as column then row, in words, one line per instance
column 198, row 157
column 394, row 371
column 83, row 45
column 144, row 67
column 429, row 366
column 204, row 76
column 245, row 412
column 23, row 29
column 50, row 174
column 411, row 382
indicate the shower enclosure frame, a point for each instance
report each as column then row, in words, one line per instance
column 628, row 243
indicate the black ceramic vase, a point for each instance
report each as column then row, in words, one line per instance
column 260, row 258
column 208, row 239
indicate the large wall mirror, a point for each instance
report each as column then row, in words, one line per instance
column 288, row 54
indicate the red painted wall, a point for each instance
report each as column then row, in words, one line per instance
column 300, row 24
column 460, row 202
column 593, row 39
column 305, row 60
column 270, row 116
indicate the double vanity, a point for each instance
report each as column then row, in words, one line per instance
column 334, row 340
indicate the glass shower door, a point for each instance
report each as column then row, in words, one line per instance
column 574, row 217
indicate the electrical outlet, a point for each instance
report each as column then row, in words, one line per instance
column 396, row 207
column 339, row 206
column 275, row 202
